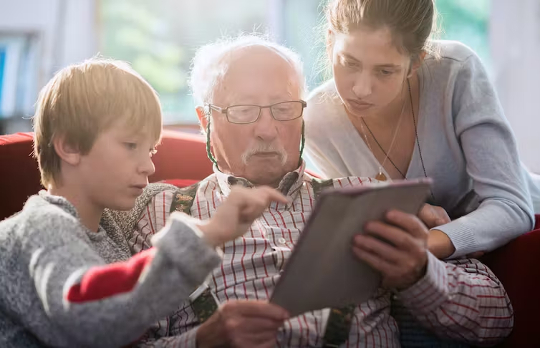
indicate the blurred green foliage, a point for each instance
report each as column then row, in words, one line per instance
column 160, row 37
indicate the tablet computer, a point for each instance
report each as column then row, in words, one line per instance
column 322, row 271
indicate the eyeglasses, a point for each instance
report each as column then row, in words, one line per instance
column 243, row 114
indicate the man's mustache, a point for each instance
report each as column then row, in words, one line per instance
column 265, row 148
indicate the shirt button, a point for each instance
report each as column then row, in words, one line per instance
column 282, row 241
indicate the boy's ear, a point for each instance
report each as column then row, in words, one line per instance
column 66, row 151
column 202, row 117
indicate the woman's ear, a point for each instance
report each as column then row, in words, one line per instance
column 329, row 41
column 67, row 152
column 416, row 63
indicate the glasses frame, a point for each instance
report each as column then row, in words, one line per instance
column 225, row 111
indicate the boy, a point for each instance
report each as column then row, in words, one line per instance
column 64, row 282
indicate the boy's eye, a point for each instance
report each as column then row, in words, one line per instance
column 131, row 146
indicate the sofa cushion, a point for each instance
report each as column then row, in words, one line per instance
column 180, row 155
column 180, row 182
column 19, row 176
column 516, row 265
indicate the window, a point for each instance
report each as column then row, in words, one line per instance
column 467, row 21
column 2, row 67
column 160, row 37
column 17, row 74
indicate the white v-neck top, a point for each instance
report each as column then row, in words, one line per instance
column 466, row 144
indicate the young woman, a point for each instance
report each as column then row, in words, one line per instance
column 401, row 106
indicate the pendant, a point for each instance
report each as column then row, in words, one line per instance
column 380, row 176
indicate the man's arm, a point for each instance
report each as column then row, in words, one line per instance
column 461, row 300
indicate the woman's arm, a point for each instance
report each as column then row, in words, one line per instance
column 492, row 162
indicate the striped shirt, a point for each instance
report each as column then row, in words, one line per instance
column 461, row 300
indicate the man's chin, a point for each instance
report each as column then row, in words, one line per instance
column 268, row 174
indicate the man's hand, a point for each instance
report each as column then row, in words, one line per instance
column 402, row 255
column 236, row 214
column 242, row 324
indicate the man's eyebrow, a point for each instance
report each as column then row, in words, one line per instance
column 250, row 99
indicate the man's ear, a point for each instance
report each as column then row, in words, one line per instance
column 67, row 152
column 202, row 117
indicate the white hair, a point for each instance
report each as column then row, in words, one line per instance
column 210, row 64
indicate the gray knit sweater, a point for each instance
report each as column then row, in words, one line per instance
column 45, row 256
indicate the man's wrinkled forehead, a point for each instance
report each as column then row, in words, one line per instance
column 255, row 70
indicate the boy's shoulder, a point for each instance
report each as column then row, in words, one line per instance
column 38, row 219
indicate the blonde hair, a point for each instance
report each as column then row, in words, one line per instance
column 411, row 22
column 210, row 64
column 82, row 100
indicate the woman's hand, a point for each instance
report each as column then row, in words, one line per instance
column 439, row 244
column 433, row 216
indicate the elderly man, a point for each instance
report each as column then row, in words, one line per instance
column 250, row 96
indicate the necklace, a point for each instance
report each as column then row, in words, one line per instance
column 381, row 176
column 417, row 140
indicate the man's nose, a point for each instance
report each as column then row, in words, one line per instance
column 266, row 125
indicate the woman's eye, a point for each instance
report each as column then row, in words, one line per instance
column 345, row 62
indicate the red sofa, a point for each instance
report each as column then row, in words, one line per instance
column 181, row 159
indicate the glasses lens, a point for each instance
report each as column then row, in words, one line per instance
column 287, row 111
column 243, row 113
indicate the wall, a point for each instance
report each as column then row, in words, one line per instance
column 515, row 50
column 63, row 31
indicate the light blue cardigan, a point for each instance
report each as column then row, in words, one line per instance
column 466, row 144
